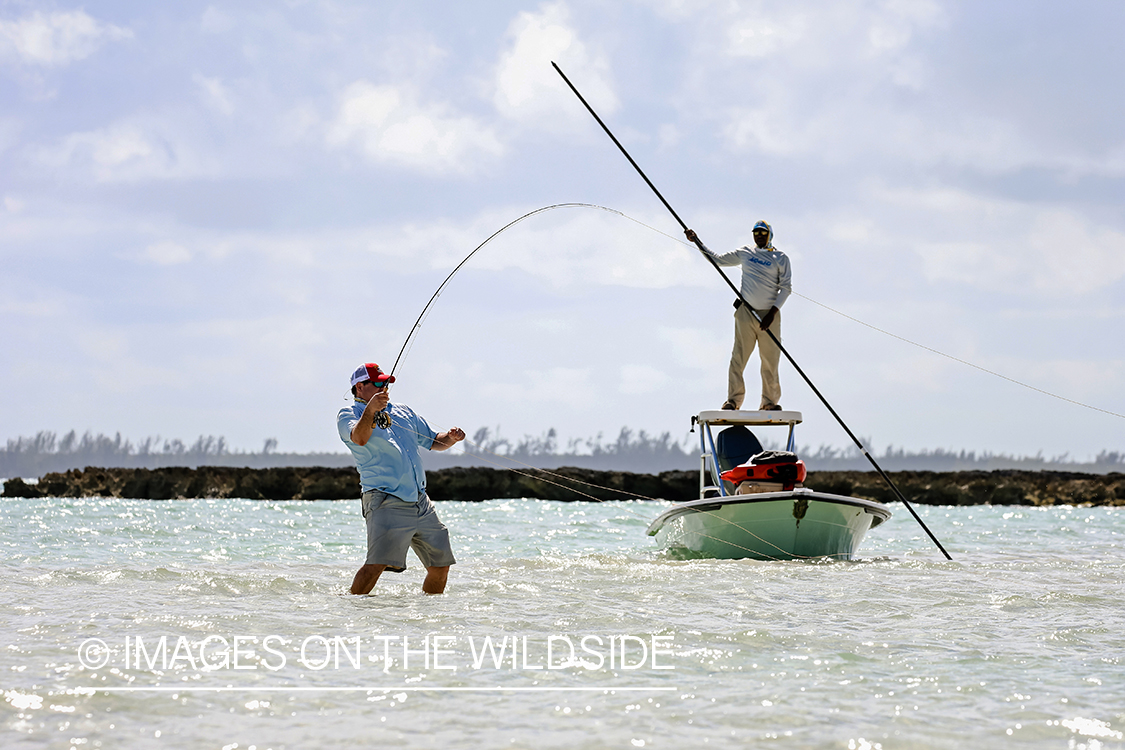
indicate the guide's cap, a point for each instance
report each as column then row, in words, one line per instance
column 763, row 228
column 371, row 371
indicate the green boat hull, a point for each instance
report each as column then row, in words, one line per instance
column 795, row 525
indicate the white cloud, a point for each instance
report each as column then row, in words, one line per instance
column 215, row 94
column 893, row 23
column 761, row 36
column 57, row 39
column 389, row 125
column 530, row 91
column 14, row 205
column 866, row 82
column 215, row 21
column 773, row 129
column 566, row 248
column 1011, row 246
column 803, row 36
column 127, row 151
column 796, row 79
column 842, row 129
column 166, row 253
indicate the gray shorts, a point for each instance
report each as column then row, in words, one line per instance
column 393, row 526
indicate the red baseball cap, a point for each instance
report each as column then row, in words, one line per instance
column 370, row 371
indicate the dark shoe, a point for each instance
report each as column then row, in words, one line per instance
column 772, row 407
column 728, row 405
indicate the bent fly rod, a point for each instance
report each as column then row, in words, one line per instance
column 738, row 293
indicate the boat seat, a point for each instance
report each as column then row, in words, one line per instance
column 734, row 446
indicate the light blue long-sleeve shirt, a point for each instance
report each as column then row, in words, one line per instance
column 390, row 461
column 767, row 278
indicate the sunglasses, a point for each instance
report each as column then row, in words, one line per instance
column 380, row 384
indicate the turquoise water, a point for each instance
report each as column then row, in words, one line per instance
column 1019, row 642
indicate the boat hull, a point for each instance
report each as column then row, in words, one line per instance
column 794, row 525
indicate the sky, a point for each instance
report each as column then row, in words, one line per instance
column 211, row 213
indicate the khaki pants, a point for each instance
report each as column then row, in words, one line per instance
column 747, row 335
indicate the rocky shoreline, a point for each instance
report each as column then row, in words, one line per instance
column 1002, row 487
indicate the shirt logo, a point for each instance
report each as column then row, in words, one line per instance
column 761, row 262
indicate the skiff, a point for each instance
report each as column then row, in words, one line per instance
column 752, row 503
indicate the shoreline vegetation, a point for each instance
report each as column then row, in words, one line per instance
column 630, row 451
column 998, row 487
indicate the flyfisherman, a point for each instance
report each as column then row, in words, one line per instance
column 384, row 439
column 767, row 280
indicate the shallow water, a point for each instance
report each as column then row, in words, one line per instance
column 1019, row 642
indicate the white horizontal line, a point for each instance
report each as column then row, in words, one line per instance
column 371, row 688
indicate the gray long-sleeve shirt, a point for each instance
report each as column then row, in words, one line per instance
column 767, row 278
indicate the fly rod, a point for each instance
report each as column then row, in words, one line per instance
column 788, row 356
